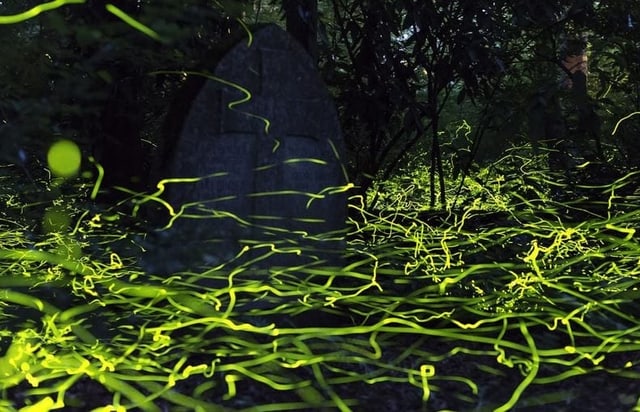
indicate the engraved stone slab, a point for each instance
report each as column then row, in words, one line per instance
column 263, row 144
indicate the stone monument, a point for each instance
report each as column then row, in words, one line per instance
column 261, row 157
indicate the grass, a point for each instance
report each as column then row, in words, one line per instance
column 524, row 298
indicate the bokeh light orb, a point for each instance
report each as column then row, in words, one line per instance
column 64, row 158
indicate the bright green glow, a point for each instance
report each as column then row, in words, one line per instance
column 533, row 370
column 230, row 105
column 36, row 10
column 19, row 352
column 426, row 371
column 627, row 117
column 276, row 145
column 133, row 22
column 44, row 405
column 247, row 30
column 162, row 187
column 96, row 186
column 305, row 160
column 64, row 158
column 535, row 293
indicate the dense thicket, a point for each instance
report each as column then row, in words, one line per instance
column 402, row 72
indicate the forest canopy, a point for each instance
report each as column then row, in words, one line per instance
column 404, row 74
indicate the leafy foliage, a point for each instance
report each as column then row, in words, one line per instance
column 394, row 74
column 393, row 68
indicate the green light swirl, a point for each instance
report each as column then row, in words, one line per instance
column 133, row 22
column 230, row 105
column 37, row 10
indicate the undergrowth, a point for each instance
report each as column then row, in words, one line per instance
column 492, row 307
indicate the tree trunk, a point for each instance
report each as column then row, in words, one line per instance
column 302, row 23
column 576, row 68
column 436, row 165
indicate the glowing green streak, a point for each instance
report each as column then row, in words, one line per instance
column 464, row 126
column 44, row 405
column 118, row 386
column 475, row 268
column 96, row 186
column 29, row 301
column 317, row 372
column 535, row 365
column 79, row 310
column 259, row 378
column 231, row 105
column 216, row 320
column 328, row 191
column 149, row 361
column 276, row 145
column 615, row 129
column 593, row 302
column 181, row 399
column 231, row 386
column 40, row 256
column 285, row 192
column 35, row 11
column 337, row 156
column 628, row 231
column 305, row 160
column 426, row 371
column 161, row 186
column 247, row 30
column 133, row 22
column 20, row 351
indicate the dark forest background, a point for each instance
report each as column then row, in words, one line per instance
column 404, row 75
